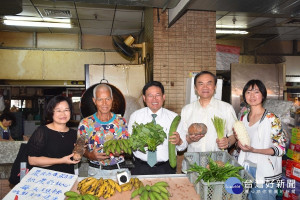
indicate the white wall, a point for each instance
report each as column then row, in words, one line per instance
column 292, row 68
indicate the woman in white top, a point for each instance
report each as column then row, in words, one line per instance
column 262, row 159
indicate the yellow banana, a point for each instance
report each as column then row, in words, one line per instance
column 83, row 181
column 141, row 184
column 118, row 187
column 112, row 183
column 112, row 191
column 107, row 195
column 98, row 188
column 131, row 181
column 136, row 185
column 100, row 181
column 136, row 182
column 88, row 182
column 108, row 189
column 127, row 187
column 125, row 184
column 101, row 190
column 88, row 185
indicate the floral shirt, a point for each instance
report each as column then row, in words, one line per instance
column 97, row 132
column 268, row 134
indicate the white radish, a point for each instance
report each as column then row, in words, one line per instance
column 242, row 133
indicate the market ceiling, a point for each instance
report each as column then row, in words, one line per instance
column 263, row 19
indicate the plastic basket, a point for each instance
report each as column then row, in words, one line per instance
column 214, row 190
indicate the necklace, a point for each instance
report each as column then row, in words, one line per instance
column 62, row 134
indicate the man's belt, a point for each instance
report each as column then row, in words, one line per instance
column 110, row 167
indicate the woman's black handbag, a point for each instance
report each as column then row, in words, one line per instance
column 22, row 156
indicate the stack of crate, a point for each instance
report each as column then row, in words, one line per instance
column 291, row 177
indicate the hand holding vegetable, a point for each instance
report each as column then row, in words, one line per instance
column 175, row 139
column 193, row 138
column 222, row 143
column 245, row 147
column 95, row 155
column 67, row 160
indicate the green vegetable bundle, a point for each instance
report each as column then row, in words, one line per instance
column 215, row 172
column 149, row 134
column 219, row 125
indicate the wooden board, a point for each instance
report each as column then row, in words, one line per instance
column 179, row 187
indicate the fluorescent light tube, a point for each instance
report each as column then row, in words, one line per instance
column 36, row 24
column 38, row 19
column 231, row 26
column 231, row 31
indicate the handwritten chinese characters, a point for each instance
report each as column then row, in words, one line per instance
column 42, row 184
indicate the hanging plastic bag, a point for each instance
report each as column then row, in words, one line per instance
column 2, row 104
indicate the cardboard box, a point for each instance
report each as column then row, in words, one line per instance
column 293, row 169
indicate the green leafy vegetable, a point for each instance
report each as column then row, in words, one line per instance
column 219, row 125
column 149, row 134
column 215, row 172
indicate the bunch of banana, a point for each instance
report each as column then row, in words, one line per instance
column 133, row 183
column 119, row 146
column 71, row 195
column 107, row 188
column 88, row 185
column 157, row 191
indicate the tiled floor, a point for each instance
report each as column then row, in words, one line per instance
column 4, row 187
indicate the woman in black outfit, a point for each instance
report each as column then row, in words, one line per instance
column 51, row 145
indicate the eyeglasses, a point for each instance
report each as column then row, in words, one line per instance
column 150, row 96
column 62, row 111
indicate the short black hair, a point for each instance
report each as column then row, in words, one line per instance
column 205, row 72
column 154, row 83
column 259, row 84
column 8, row 116
column 53, row 102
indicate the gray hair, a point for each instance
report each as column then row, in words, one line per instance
column 102, row 86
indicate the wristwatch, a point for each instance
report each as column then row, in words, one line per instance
column 228, row 143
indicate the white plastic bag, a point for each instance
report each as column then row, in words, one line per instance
column 2, row 104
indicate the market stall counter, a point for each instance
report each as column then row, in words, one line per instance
column 179, row 186
column 8, row 153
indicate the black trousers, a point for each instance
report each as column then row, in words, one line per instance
column 143, row 168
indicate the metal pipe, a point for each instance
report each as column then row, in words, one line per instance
column 34, row 40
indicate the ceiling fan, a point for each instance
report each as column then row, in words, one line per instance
column 127, row 47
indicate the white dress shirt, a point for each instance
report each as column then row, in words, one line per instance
column 164, row 118
column 195, row 113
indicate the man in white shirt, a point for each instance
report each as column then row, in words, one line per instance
column 154, row 97
column 203, row 111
